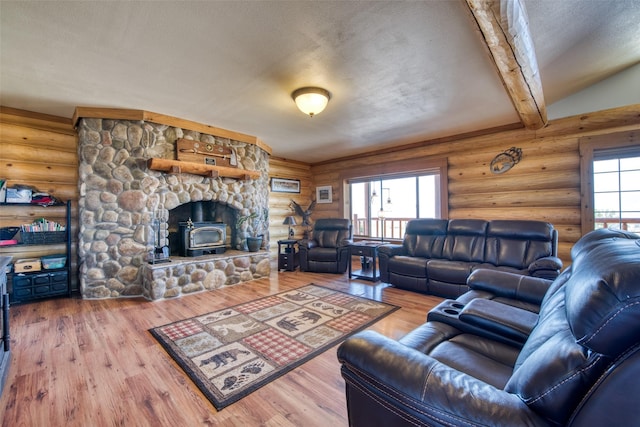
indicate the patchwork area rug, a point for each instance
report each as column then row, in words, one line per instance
column 232, row 352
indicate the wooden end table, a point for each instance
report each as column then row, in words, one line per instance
column 288, row 258
column 367, row 249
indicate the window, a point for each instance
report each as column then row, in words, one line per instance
column 382, row 206
column 616, row 188
column 610, row 181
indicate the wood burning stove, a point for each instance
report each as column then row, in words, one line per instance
column 202, row 238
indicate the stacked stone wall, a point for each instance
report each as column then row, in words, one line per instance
column 120, row 198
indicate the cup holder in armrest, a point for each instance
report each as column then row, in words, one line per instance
column 446, row 312
column 487, row 318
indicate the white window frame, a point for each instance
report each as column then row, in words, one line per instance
column 589, row 146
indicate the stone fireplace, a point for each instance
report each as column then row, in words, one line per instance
column 125, row 209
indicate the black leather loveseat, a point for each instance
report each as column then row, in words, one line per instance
column 438, row 255
column 575, row 363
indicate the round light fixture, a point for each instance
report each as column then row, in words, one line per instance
column 311, row 100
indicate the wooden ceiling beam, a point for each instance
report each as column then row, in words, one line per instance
column 505, row 30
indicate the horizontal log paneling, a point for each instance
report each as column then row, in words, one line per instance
column 568, row 233
column 515, row 199
column 564, row 252
column 544, row 163
column 33, row 138
column 511, row 182
column 28, row 153
column 40, row 151
column 544, row 185
column 18, row 214
column 30, row 120
column 280, row 203
column 26, row 172
column 554, row 215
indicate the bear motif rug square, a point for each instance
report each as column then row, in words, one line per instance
column 232, row 352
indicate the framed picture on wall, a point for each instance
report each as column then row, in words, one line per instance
column 323, row 194
column 281, row 185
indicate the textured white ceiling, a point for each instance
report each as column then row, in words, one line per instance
column 399, row 72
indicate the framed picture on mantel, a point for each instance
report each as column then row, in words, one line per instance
column 323, row 194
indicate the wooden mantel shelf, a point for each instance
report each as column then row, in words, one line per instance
column 177, row 166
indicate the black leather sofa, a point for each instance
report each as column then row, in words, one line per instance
column 438, row 255
column 488, row 362
column 327, row 251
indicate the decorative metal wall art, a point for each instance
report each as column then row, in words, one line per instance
column 505, row 160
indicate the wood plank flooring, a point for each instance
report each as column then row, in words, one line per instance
column 93, row 362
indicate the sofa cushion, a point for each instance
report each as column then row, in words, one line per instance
column 465, row 240
column 408, row 266
column 476, row 356
column 331, row 232
column 425, row 238
column 518, row 243
column 322, row 254
column 603, row 301
column 449, row 271
column 506, row 269
column 479, row 357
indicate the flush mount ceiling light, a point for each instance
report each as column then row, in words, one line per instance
column 311, row 100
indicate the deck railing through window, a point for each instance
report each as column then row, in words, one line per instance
column 389, row 228
column 629, row 224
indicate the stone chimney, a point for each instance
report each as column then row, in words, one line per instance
column 120, row 197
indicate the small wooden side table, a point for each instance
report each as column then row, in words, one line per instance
column 367, row 250
column 288, row 258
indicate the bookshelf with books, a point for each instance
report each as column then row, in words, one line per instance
column 41, row 252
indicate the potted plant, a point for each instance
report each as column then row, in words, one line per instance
column 259, row 223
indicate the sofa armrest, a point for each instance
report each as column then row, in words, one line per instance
column 384, row 253
column 509, row 285
column 505, row 320
column 391, row 250
column 547, row 267
column 345, row 242
column 305, row 244
column 418, row 387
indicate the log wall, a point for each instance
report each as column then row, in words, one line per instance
column 40, row 151
column 545, row 185
column 280, row 203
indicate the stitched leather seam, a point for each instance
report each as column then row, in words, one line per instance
column 426, row 381
column 586, row 368
column 605, row 373
column 380, row 387
column 609, row 320
column 386, row 404
column 519, row 286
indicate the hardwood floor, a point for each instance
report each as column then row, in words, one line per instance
column 93, row 362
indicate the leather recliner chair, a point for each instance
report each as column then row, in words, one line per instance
column 327, row 251
column 575, row 363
